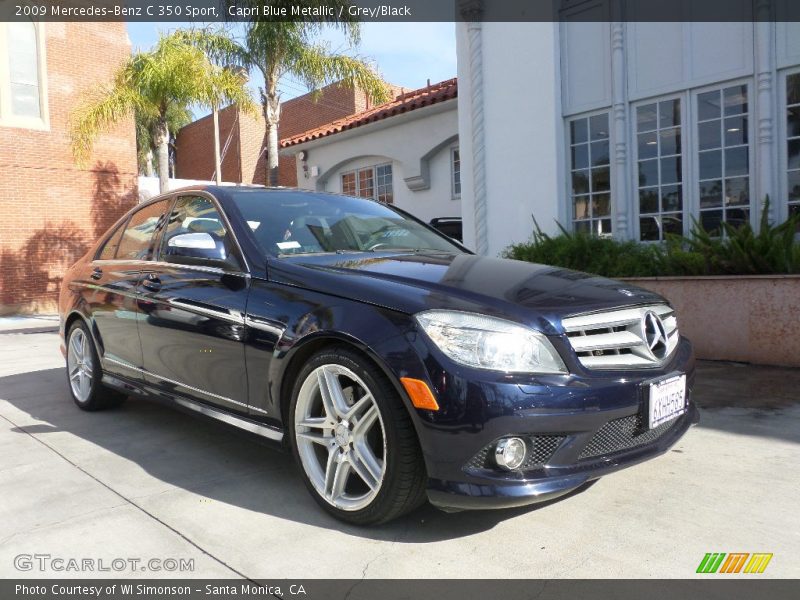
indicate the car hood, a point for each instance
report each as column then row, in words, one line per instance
column 536, row 294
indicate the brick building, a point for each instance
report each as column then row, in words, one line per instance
column 52, row 209
column 244, row 135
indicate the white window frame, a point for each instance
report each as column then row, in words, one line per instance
column 569, row 211
column 780, row 205
column 453, row 150
column 685, row 173
column 754, row 205
column 7, row 118
column 374, row 169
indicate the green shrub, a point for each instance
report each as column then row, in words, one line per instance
column 740, row 251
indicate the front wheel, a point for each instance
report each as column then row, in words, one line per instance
column 84, row 372
column 354, row 440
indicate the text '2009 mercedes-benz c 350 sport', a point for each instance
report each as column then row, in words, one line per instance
column 395, row 364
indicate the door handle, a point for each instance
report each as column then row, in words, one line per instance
column 152, row 283
column 97, row 273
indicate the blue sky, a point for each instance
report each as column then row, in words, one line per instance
column 406, row 54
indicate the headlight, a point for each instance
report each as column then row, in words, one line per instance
column 488, row 343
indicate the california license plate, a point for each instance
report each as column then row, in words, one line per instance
column 667, row 400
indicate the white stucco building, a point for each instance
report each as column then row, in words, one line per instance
column 404, row 152
column 631, row 129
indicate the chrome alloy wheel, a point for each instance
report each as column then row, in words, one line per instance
column 79, row 365
column 340, row 437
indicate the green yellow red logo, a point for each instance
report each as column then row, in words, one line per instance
column 734, row 562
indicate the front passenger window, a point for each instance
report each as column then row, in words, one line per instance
column 137, row 241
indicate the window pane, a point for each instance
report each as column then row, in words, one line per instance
column 793, row 121
column 735, row 131
column 109, row 249
column 648, row 200
column 736, row 161
column 710, row 164
column 583, row 227
column 671, row 169
column 603, row 227
column 23, row 69
column 648, row 229
column 581, row 207
column 670, row 141
column 709, row 135
column 708, row 106
column 737, row 191
column 671, row 198
column 580, row 182
column 383, row 176
column 648, row 172
column 737, row 217
column 646, row 118
column 25, row 100
column 669, row 113
column 648, row 145
column 600, row 153
column 580, row 156
column 735, row 100
column 710, row 221
column 598, row 127
column 601, row 180
column 794, row 186
column 794, row 154
column 366, row 183
column 578, row 131
column 349, row 183
column 793, row 89
column 601, row 205
column 136, row 241
column 672, row 224
column 710, row 193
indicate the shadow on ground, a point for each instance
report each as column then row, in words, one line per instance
column 211, row 460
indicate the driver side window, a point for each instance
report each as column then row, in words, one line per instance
column 196, row 214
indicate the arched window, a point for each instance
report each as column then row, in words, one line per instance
column 23, row 64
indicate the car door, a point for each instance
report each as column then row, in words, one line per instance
column 193, row 330
column 110, row 294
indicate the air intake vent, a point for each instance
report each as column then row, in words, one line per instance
column 637, row 337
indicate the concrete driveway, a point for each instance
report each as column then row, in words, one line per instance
column 147, row 482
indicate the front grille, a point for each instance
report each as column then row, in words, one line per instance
column 623, row 434
column 616, row 339
column 540, row 449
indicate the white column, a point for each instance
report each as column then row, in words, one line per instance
column 765, row 147
column 623, row 204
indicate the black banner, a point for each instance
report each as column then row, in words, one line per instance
column 206, row 11
column 712, row 588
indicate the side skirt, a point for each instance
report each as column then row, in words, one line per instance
column 135, row 388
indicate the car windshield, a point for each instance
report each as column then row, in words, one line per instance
column 286, row 223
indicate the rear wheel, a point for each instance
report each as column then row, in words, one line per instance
column 84, row 372
column 354, row 440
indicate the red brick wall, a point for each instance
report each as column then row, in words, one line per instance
column 297, row 115
column 52, row 209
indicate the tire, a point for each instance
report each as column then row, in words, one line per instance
column 354, row 440
column 84, row 373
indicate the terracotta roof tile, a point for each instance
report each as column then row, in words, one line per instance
column 426, row 96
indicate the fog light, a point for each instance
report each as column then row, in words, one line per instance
column 510, row 453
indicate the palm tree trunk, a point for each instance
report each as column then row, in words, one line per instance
column 162, row 142
column 217, row 154
column 272, row 114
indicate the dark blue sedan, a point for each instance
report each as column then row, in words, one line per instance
column 395, row 364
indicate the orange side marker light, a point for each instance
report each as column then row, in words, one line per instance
column 420, row 394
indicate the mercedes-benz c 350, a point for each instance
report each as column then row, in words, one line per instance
column 396, row 365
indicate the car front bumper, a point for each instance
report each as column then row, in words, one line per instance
column 577, row 428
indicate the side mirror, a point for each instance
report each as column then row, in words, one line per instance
column 197, row 249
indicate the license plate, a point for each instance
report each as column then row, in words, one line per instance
column 667, row 400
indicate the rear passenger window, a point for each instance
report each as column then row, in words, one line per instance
column 109, row 250
column 137, row 240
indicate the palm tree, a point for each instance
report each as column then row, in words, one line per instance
column 278, row 49
column 173, row 75
column 146, row 149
